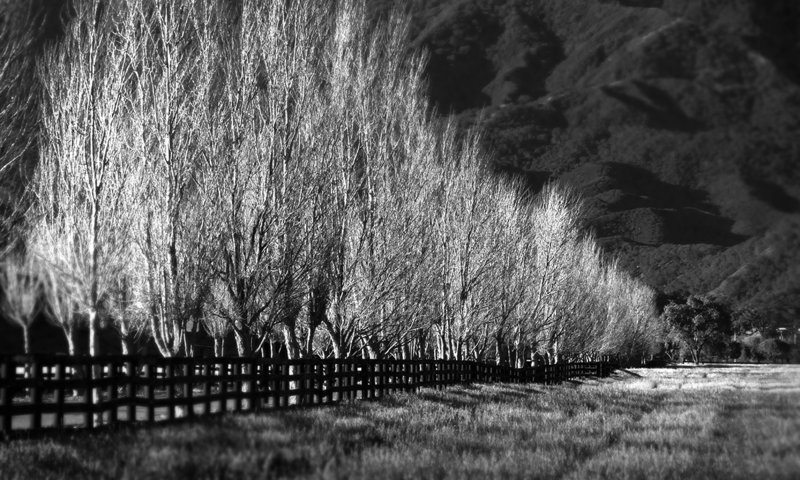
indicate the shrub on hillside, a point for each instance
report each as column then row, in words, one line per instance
column 750, row 352
column 733, row 350
column 698, row 324
column 775, row 350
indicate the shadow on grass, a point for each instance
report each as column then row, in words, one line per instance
column 470, row 396
column 695, row 366
column 573, row 383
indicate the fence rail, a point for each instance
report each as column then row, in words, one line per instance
column 57, row 392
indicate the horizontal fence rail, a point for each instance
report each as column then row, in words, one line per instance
column 56, row 392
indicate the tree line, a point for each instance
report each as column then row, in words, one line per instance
column 274, row 172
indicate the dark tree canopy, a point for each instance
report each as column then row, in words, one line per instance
column 697, row 322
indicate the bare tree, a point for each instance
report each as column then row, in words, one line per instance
column 20, row 294
column 61, row 306
column 508, row 290
column 17, row 129
column 125, row 305
column 464, row 225
column 378, row 224
column 85, row 189
column 216, row 322
column 172, row 226
column 272, row 169
column 260, row 148
column 556, row 236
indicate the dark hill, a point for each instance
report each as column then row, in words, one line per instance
column 678, row 120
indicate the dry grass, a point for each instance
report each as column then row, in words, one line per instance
column 738, row 422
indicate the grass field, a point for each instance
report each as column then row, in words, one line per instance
column 706, row 422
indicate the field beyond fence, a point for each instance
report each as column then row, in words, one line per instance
column 39, row 393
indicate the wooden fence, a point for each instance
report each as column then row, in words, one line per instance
column 57, row 392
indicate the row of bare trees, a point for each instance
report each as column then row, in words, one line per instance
column 272, row 172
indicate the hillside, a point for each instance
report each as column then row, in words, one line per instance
column 677, row 120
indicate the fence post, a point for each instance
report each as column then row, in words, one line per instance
column 171, row 390
column 61, row 393
column 239, row 386
column 286, row 384
column 113, row 394
column 306, row 382
column 429, row 374
column 223, row 386
column 320, row 376
column 315, row 378
column 343, row 384
column 372, row 369
column 88, row 400
column 133, row 376
column 274, row 371
column 36, row 392
column 335, row 383
column 391, row 376
column 382, row 376
column 208, row 372
column 188, row 377
column 255, row 391
column 149, row 373
column 324, row 381
column 296, row 370
column 364, row 380
column 353, row 379
column 330, row 384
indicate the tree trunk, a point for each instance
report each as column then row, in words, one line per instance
column 336, row 343
column 188, row 351
column 93, row 337
column 372, row 352
column 158, row 339
column 219, row 346
column 309, row 343
column 242, row 342
column 94, row 350
column 26, row 339
column 70, row 336
column 293, row 349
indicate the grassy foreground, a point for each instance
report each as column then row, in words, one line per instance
column 707, row 422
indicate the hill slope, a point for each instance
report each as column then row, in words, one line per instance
column 677, row 120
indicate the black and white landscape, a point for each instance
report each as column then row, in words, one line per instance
column 388, row 239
